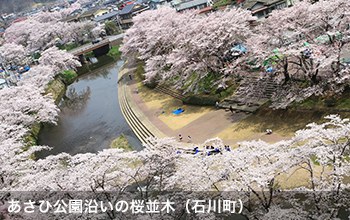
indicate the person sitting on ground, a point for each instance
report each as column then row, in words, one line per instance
column 196, row 150
column 180, row 137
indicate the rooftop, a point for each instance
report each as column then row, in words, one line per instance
column 106, row 16
column 250, row 3
column 131, row 8
column 89, row 12
column 127, row 9
column 190, row 4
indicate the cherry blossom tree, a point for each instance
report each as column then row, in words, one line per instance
column 39, row 76
column 12, row 53
column 254, row 170
column 44, row 31
column 59, row 59
column 186, row 44
column 306, row 42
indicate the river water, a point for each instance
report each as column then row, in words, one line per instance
column 90, row 116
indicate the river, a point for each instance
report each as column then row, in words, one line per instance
column 90, row 116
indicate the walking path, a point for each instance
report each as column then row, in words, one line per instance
column 149, row 114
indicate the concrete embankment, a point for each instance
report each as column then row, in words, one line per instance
column 57, row 89
column 139, row 123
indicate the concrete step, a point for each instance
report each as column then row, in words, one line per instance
column 137, row 126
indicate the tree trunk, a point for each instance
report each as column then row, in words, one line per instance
column 314, row 80
column 285, row 72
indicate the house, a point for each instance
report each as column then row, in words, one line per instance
column 193, row 4
column 88, row 15
column 154, row 4
column 128, row 11
column 261, row 8
column 88, row 5
column 110, row 2
column 100, row 12
column 113, row 15
column 71, row 18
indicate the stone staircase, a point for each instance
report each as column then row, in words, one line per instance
column 252, row 93
column 166, row 90
column 139, row 128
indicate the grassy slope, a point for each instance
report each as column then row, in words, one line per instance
column 121, row 143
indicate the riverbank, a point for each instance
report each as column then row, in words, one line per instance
column 58, row 86
column 57, row 89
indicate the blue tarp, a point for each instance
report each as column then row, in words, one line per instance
column 239, row 48
column 269, row 69
column 24, row 69
column 178, row 111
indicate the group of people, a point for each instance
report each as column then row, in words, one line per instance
column 210, row 150
column 268, row 131
column 189, row 138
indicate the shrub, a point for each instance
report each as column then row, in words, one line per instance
column 114, row 53
column 68, row 76
column 222, row 3
column 140, row 71
column 330, row 102
column 111, row 28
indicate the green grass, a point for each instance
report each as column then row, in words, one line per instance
column 114, row 52
column 89, row 54
column 188, row 82
column 69, row 46
column 102, row 61
column 314, row 160
column 68, row 76
column 228, row 92
column 30, row 139
column 121, row 143
column 206, row 83
column 222, row 3
column 343, row 103
column 331, row 103
column 140, row 71
column 310, row 103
